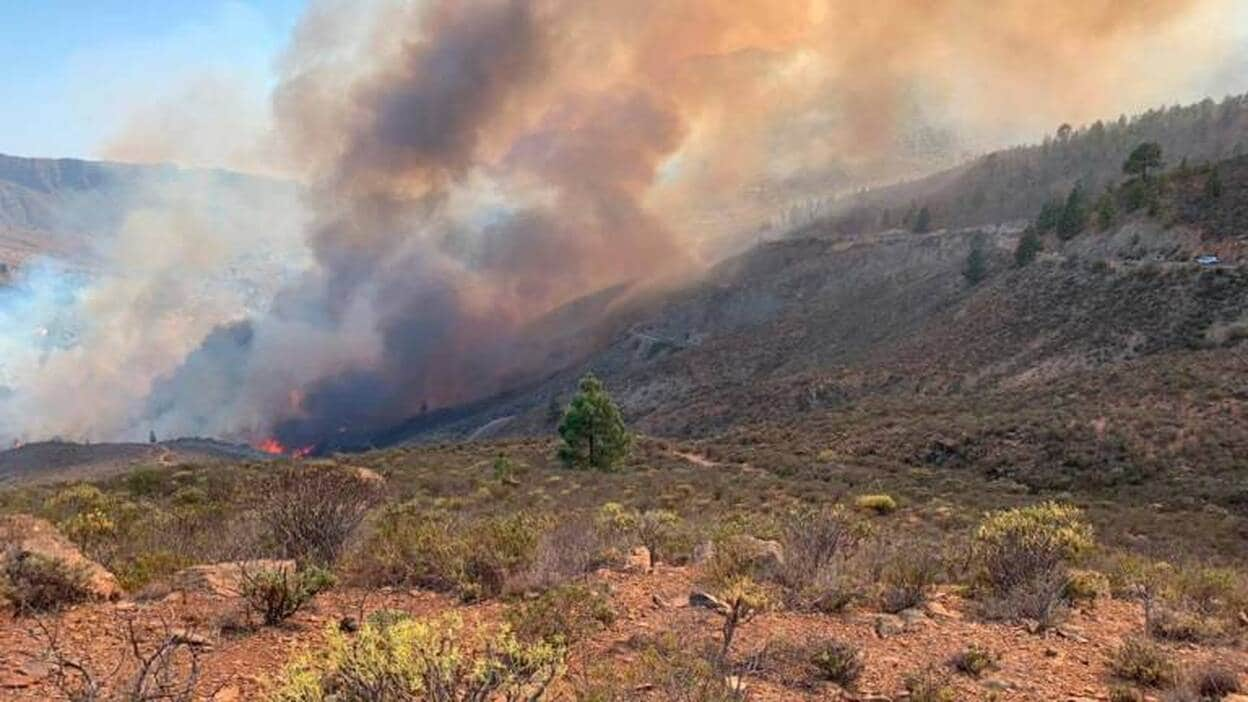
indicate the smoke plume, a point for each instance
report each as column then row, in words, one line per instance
column 469, row 166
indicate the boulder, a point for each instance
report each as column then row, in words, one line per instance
column 638, row 560
column 887, row 625
column 705, row 600
column 221, row 579
column 25, row 534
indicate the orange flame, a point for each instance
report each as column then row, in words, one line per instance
column 274, row 447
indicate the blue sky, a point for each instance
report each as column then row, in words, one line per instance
column 71, row 69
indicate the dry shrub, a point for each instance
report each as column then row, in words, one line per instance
column 674, row 665
column 818, row 548
column 160, row 665
column 930, row 685
column 563, row 615
column 839, row 662
column 33, row 582
column 566, row 551
column 1213, row 682
column 1144, row 662
column 477, row 559
column 311, row 510
column 1040, row 600
column 911, row 572
column 974, row 660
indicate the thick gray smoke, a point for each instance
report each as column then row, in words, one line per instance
column 468, row 166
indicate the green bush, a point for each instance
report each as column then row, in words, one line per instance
column 278, row 593
column 1085, row 586
column 838, row 662
column 426, row 660
column 1144, row 662
column 36, row 583
column 563, row 615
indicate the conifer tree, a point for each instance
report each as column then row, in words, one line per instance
column 593, row 431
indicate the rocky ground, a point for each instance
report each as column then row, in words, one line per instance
column 1070, row 662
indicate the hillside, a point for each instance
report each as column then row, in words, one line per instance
column 63, row 207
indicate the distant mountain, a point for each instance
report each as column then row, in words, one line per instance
column 56, row 205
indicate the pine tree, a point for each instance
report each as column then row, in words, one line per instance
column 1074, row 215
column 1213, row 186
column 1142, row 158
column 1029, row 245
column 593, row 431
column 923, row 221
column 976, row 265
column 1050, row 215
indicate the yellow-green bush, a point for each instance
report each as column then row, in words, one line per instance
column 879, row 504
column 1144, row 662
column 1017, row 546
column 417, row 659
column 1086, row 586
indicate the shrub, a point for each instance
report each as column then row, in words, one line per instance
column 973, row 660
column 930, row 685
column 563, row 615
column 426, row 660
column 818, row 545
column 567, row 550
column 312, row 510
column 1040, row 600
column 1213, row 682
column 1125, row 693
column 1144, row 662
column 33, row 582
column 412, row 547
column 278, row 593
column 1016, row 546
column 879, row 504
column 1085, row 586
column 659, row 530
column 496, row 548
column 909, row 575
column 838, row 662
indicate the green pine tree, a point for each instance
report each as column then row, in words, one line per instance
column 593, row 431
column 1029, row 245
column 976, row 265
column 1106, row 210
column 1213, row 186
column 1074, row 215
column 923, row 221
column 1142, row 158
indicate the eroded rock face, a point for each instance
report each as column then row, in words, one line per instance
column 221, row 579
column 24, row 533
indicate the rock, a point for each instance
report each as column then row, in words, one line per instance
column 912, row 618
column 705, row 600
column 638, row 560
column 1235, row 697
column 887, row 625
column 221, row 579
column 24, row 534
column 369, row 476
column 998, row 684
column 703, row 552
column 1031, row 626
column 939, row 611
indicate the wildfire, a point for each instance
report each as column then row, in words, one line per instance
column 276, row 448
